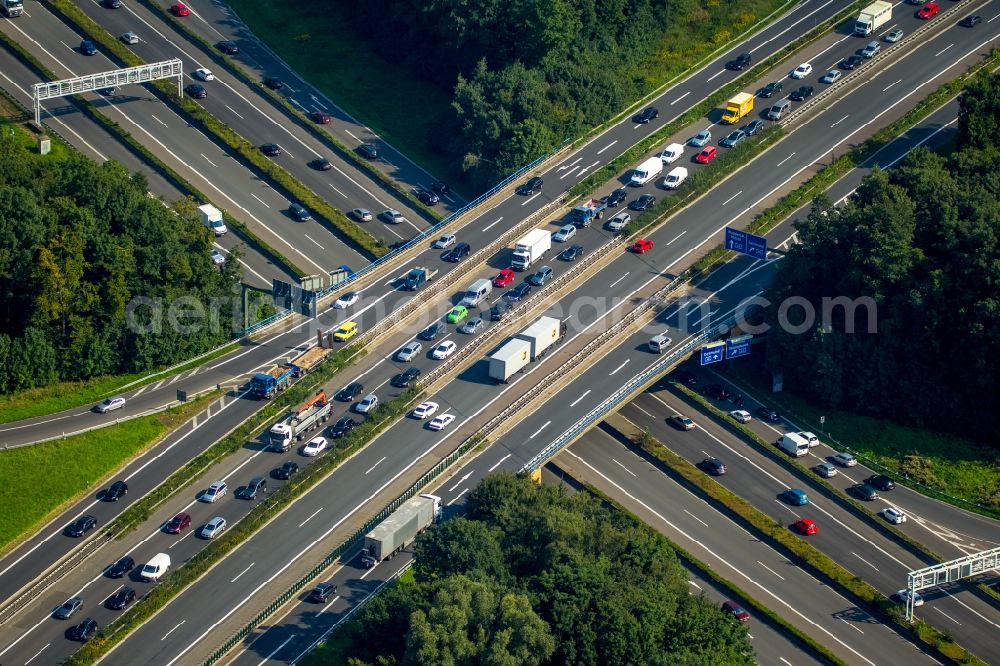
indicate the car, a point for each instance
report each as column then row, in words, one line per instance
column 213, row 528
column 432, row 331
column 121, row 567
column 367, row 404
column 795, row 497
column 87, row 48
column 929, row 11
column 457, row 314
column 771, row 89
column 215, row 492
column 178, row 523
column 273, row 82
column 217, row 257
column 768, row 414
column 320, row 117
column 681, row 422
column 686, row 378
column 565, row 232
column 902, row 595
column 646, row 115
column 812, row 439
column 851, row 62
column 825, row 470
column 801, row 93
column 444, row 350
column 405, row 378
column 831, row 77
column 733, row 139
column 440, row 187
column 84, row 631
column 700, row 139
column 880, row 482
column 641, row 246
column 618, row 222
column 343, row 426
column 734, row 609
column 863, row 492
column 617, row 197
column 346, row 300
column 802, row 71
column 425, row 410
column 844, row 459
column 806, row 526
column 409, row 351
column 350, row 392
column 321, row 164
column 753, row 127
column 441, row 422
column 518, row 293
column 228, row 47
column 971, row 21
column 107, row 92
column 871, row 50
column 741, row 416
column 120, row 599
column 457, row 253
column 196, row 91
column 500, row 309
column 426, row 197
column 115, row 491
column 643, row 202
column 532, row 186
column 706, row 155
column 504, row 278
column 893, row 514
column 739, row 62
column 129, row 38
column 110, row 404
column 68, row 608
column 893, row 36
column 299, row 212
column 715, row 391
column 112, row 4
column 271, row 149
column 472, row 326
column 180, row 9
column 391, row 216
column 369, row 151
column 361, row 214
column 286, row 471
column 203, row 74
column 255, row 486
column 81, row 526
column 322, row 593
column 714, row 466
column 543, row 275
column 572, row 253
column 444, row 241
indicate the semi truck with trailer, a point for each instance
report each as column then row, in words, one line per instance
column 510, row 359
column 583, row 216
column 265, row 385
column 307, row 361
column 737, row 108
column 873, row 17
column 542, row 335
column 400, row 529
column 530, row 249
column 307, row 416
column 211, row 217
column 417, row 277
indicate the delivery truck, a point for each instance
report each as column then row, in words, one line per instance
column 542, row 335
column 646, row 172
column 400, row 529
column 530, row 249
column 873, row 17
column 417, row 277
column 737, row 108
column 793, row 444
column 211, row 217
column 510, row 359
column 266, row 384
column 307, row 416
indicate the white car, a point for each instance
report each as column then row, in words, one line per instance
column 346, row 300
column 425, row 410
column 445, row 241
column 391, row 216
column 901, row 596
column 213, row 528
column 367, row 404
column 362, row 214
column 831, row 76
column 409, row 351
column 110, row 404
column 215, row 492
column 203, row 74
column 444, row 350
column 893, row 515
column 565, row 232
column 316, row 446
column 618, row 222
column 130, row 38
column 471, row 327
column 811, row 438
column 845, row 460
column 441, row 422
column 802, row 71
column 218, row 258
column 741, row 415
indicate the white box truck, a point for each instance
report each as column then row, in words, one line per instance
column 793, row 444
column 672, row 153
column 211, row 217
column 530, row 249
column 400, row 529
column 674, row 179
column 509, row 359
column 873, row 17
column 542, row 335
column 646, row 171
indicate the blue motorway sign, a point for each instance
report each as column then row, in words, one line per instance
column 741, row 241
column 739, row 346
column 713, row 353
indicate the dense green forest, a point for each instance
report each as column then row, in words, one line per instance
column 923, row 242
column 533, row 575
column 78, row 242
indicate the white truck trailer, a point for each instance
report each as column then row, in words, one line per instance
column 400, row 529
column 211, row 217
column 542, row 335
column 530, row 249
column 873, row 17
column 509, row 359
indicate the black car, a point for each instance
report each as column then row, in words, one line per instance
column 299, row 212
column 350, row 392
column 112, row 4
column 771, row 89
column 368, row 151
column 405, row 378
column 87, row 48
column 84, row 631
column 322, row 593
column 196, row 91
column 572, row 253
column 767, row 414
column 457, row 253
column 739, row 62
column 121, row 567
column 863, row 492
column 519, row 292
column 427, row 198
column 107, row 92
column 440, row 187
column 532, row 186
column 271, row 149
column 753, row 127
column 714, row 466
column 970, row 21
column 117, row 490
column 852, row 62
column 500, row 310
column 122, row 598
column 81, row 526
column 880, row 482
column 801, row 93
column 432, row 331
column 287, row 470
column 647, row 114
column 643, row 202
column 256, row 485
column 617, row 197
column 342, row 427
column 321, row 164
column 274, row 83
column 685, row 377
column 715, row 392
column 227, row 47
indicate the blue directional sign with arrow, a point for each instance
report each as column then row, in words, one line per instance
column 741, row 241
column 739, row 346
column 713, row 353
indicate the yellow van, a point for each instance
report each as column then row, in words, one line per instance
column 346, row 331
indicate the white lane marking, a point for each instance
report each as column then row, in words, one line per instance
column 158, row 120
column 696, row 517
column 190, row 532
column 607, row 146
column 850, row 625
column 172, row 630
column 287, row 641
column 457, row 497
column 947, row 616
column 235, row 112
column 337, row 191
column 785, row 160
column 771, row 570
column 311, row 516
column 36, row 654
column 732, row 197
column 680, row 98
column 566, row 166
column 677, row 237
column 892, row 84
column 460, row 482
column 652, row 416
column 619, row 279
column 626, row 469
column 375, row 465
column 242, row 572
column 719, row 73
column 540, row 429
column 568, row 172
column 840, row 121
column 493, row 224
column 619, row 367
column 499, row 462
column 313, row 241
column 864, row 560
column 943, row 50
column 994, row 18
column 209, row 161
column 573, row 404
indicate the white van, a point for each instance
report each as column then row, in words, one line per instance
column 674, row 179
column 646, row 171
column 659, row 343
column 478, row 292
column 672, row 153
column 155, row 568
column 793, row 444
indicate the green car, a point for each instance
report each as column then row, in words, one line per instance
column 457, row 314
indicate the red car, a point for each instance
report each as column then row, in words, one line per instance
column 734, row 609
column 180, row 9
column 929, row 11
column 505, row 278
column 707, row 155
column 178, row 523
column 806, row 526
column 320, row 117
column 642, row 245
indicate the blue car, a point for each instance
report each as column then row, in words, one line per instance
column 518, row 292
column 87, row 47
column 795, row 497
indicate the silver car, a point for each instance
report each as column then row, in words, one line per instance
column 213, row 528
column 845, row 460
column 409, row 351
column 831, row 76
column 893, row 36
column 391, row 216
column 618, row 222
column 472, row 326
column 110, row 404
column 700, row 139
